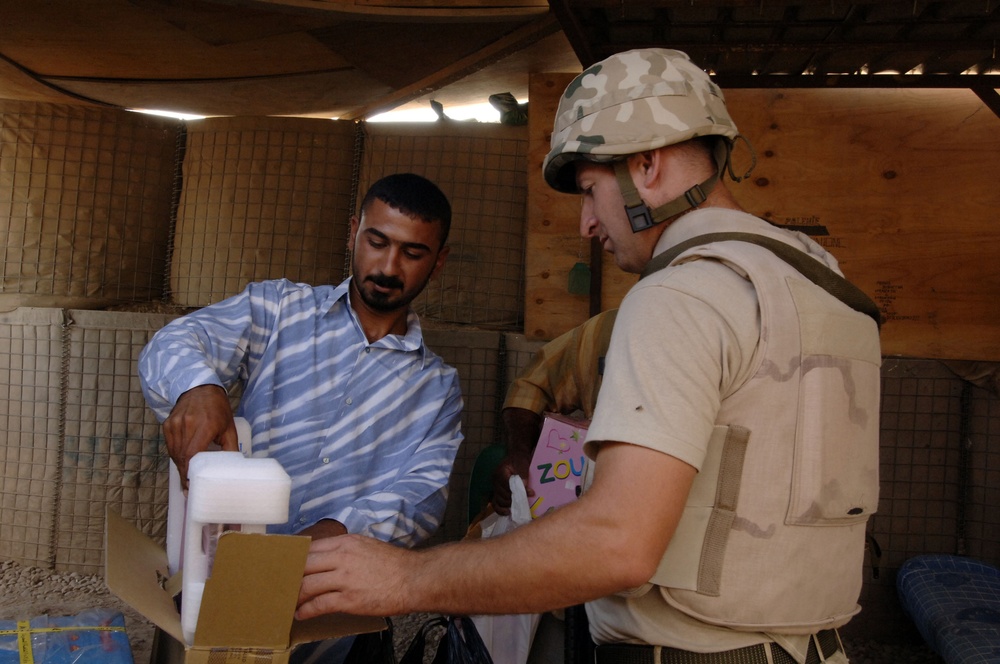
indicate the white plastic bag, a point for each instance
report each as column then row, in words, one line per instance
column 508, row 637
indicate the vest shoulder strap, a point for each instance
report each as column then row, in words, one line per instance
column 809, row 267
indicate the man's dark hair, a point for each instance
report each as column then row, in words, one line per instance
column 414, row 196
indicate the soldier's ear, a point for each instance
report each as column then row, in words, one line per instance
column 647, row 169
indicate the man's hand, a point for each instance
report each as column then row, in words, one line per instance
column 200, row 417
column 324, row 528
column 354, row 574
column 602, row 532
column 523, row 428
column 509, row 466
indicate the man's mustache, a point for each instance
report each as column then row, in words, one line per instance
column 384, row 281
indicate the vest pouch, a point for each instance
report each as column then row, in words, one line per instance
column 835, row 465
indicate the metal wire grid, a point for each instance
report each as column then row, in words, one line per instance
column 474, row 356
column 982, row 523
column 920, row 501
column 80, row 439
column 84, row 201
column 482, row 169
column 940, row 466
column 30, row 375
column 78, row 436
column 486, row 361
column 65, row 462
column 262, row 199
column 113, row 450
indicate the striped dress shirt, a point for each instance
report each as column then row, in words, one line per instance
column 368, row 432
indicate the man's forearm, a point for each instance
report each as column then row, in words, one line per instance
column 529, row 570
column 609, row 540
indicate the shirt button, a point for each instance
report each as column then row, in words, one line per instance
column 368, row 350
column 349, row 401
column 326, row 459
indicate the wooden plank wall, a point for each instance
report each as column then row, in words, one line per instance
column 899, row 184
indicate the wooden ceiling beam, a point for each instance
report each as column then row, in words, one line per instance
column 981, row 84
column 437, row 10
column 990, row 97
column 570, row 21
column 508, row 44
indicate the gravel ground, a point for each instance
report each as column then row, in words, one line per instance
column 27, row 592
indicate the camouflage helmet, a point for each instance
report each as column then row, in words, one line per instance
column 630, row 102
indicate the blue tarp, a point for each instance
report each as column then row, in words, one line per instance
column 95, row 636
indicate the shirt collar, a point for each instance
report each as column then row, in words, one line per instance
column 412, row 341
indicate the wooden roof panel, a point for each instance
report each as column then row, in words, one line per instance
column 350, row 58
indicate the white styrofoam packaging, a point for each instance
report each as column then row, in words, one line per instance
column 226, row 491
column 242, row 589
column 177, row 505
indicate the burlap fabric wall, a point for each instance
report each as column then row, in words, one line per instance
column 112, row 453
column 256, row 199
column 80, row 439
column 272, row 197
column 482, row 169
column 85, row 198
column 78, row 436
column 30, row 416
column 263, row 198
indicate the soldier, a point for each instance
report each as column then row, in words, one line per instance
column 735, row 438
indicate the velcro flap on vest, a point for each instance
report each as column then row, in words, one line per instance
column 693, row 560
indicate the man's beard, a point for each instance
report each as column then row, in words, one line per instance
column 387, row 302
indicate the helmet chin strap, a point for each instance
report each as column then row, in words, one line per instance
column 641, row 217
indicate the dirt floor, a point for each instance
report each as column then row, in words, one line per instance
column 28, row 592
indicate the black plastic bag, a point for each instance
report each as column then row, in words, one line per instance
column 373, row 648
column 460, row 643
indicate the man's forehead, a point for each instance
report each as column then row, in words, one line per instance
column 397, row 226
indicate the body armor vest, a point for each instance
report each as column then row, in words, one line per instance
column 773, row 533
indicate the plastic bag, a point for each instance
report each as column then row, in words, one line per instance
column 460, row 644
column 373, row 647
column 94, row 636
column 508, row 637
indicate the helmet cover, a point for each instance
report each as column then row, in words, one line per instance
column 630, row 102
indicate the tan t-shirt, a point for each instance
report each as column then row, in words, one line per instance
column 683, row 340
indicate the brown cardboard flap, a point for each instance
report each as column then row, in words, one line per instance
column 135, row 567
column 251, row 595
column 334, row 625
column 249, row 600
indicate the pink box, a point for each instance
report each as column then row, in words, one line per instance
column 556, row 468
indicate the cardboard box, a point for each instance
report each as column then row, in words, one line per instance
column 247, row 609
column 556, row 470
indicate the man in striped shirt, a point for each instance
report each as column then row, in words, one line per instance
column 336, row 381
